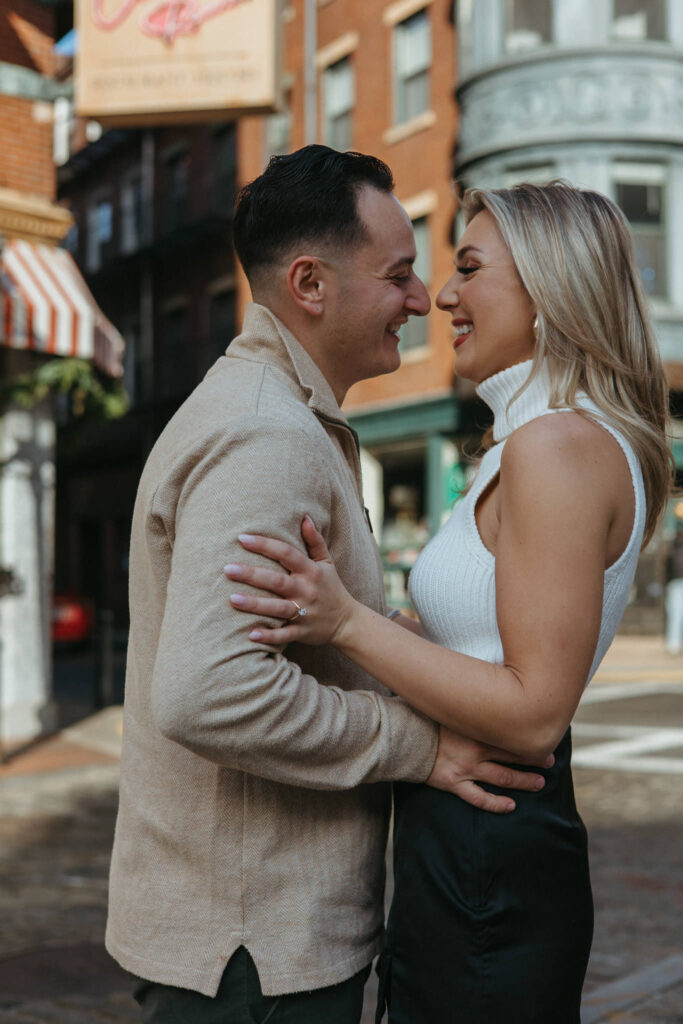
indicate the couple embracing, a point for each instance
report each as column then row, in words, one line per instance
column 272, row 701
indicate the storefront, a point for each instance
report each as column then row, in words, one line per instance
column 414, row 468
column 46, row 311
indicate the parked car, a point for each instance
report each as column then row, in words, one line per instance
column 73, row 620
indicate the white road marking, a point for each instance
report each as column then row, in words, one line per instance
column 631, row 992
column 622, row 747
column 620, row 691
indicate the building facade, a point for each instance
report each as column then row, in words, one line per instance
column 44, row 313
column 380, row 80
column 490, row 92
column 152, row 213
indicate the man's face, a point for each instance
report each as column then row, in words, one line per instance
column 374, row 291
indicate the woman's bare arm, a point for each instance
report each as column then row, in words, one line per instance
column 560, row 483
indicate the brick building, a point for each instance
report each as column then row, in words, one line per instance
column 380, row 77
column 152, row 236
column 384, row 84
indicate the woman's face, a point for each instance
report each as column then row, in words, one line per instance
column 490, row 309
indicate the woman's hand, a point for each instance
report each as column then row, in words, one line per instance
column 309, row 596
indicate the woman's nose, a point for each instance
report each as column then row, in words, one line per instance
column 448, row 296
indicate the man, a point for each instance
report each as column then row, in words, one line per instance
column 254, row 805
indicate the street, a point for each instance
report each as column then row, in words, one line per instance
column 57, row 807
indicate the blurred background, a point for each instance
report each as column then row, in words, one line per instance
column 126, row 128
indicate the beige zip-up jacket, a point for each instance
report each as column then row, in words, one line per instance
column 254, row 805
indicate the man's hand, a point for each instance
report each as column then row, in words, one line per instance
column 461, row 763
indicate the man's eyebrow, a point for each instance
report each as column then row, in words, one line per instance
column 402, row 262
column 465, row 249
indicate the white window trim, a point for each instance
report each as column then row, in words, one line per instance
column 337, row 50
column 421, row 204
column 401, row 10
column 417, row 354
column 399, row 132
column 637, row 173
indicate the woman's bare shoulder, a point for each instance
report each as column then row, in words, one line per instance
column 568, row 448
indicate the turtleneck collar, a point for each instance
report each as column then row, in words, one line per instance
column 497, row 391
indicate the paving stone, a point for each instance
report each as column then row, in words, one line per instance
column 57, row 827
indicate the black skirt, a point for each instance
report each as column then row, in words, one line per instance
column 492, row 916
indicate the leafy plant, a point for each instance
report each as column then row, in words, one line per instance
column 91, row 393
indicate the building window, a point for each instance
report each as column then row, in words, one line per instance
column 224, row 166
column 528, row 25
column 412, row 60
column 414, row 333
column 636, row 20
column 640, row 192
column 132, row 361
column 338, row 92
column 278, row 134
column 131, row 214
column 99, row 233
column 176, row 198
column 177, row 379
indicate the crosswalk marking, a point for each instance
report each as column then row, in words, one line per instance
column 628, row 748
column 604, row 1004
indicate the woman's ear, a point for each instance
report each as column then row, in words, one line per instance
column 306, row 284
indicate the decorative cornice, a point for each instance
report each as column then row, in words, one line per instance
column 585, row 96
column 28, row 84
column 32, row 218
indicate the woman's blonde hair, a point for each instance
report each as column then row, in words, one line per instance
column 574, row 253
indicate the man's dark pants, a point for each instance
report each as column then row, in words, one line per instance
column 239, row 1000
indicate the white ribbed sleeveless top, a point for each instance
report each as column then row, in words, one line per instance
column 452, row 584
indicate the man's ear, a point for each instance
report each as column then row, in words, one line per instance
column 306, row 283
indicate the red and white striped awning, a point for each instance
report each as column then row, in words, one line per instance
column 45, row 305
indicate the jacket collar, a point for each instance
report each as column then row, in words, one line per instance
column 265, row 339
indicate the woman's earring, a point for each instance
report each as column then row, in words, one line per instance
column 534, row 326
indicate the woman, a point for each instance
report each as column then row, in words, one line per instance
column 519, row 595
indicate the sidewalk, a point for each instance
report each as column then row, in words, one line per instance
column 57, row 808
column 639, row 659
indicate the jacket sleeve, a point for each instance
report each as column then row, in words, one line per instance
column 245, row 705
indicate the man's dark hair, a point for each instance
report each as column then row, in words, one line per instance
column 304, row 197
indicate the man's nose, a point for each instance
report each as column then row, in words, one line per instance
column 418, row 301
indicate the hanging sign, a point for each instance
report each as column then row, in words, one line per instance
column 150, row 61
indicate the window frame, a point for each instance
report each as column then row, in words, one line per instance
column 419, row 326
column 400, row 115
column 509, row 33
column 656, row 173
column 627, row 40
column 344, row 113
